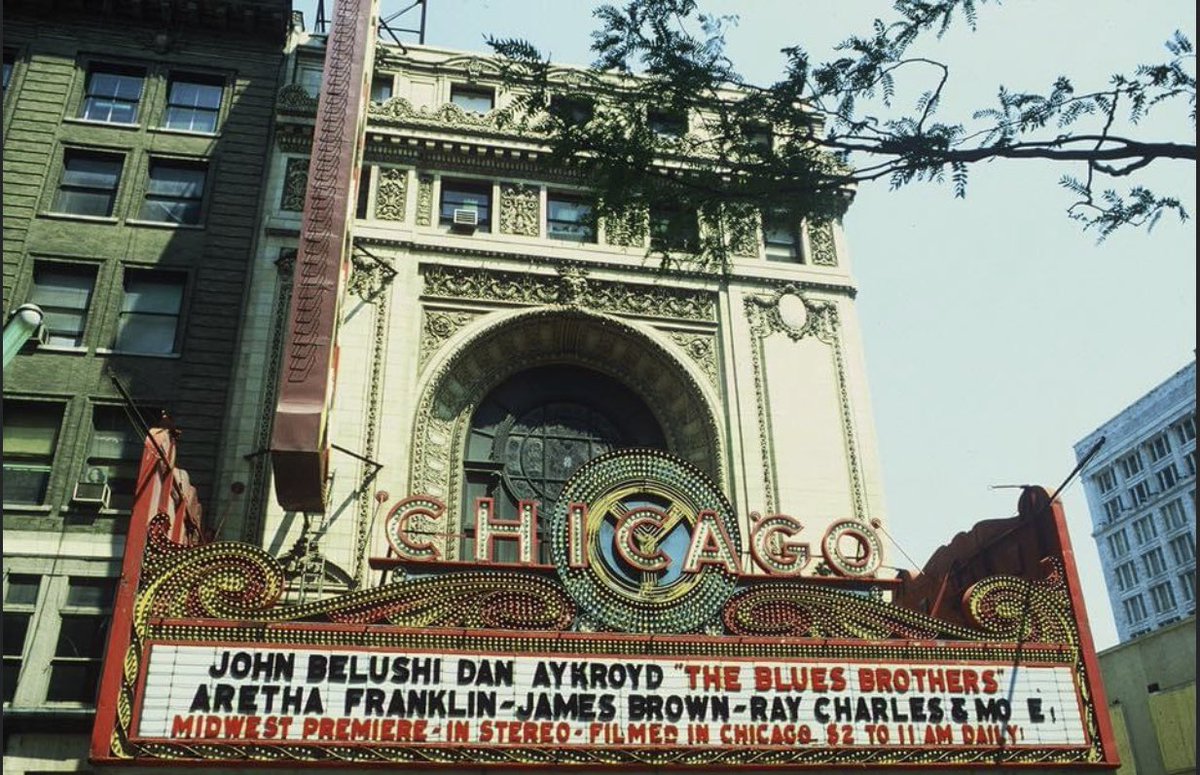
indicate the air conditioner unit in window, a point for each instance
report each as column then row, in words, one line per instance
column 93, row 489
column 465, row 220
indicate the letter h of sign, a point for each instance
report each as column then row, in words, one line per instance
column 489, row 528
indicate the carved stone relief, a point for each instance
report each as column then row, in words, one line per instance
column 628, row 229
column 821, row 243
column 295, row 183
column 391, row 194
column 743, row 235
column 424, row 200
column 570, row 287
column 440, row 325
column 797, row 316
column 520, row 210
column 294, row 99
column 701, row 348
column 368, row 276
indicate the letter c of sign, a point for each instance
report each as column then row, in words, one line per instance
column 626, row 539
column 397, row 530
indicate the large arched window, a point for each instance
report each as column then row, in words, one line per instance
column 533, row 430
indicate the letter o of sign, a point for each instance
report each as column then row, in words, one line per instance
column 867, row 555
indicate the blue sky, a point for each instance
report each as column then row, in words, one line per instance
column 997, row 332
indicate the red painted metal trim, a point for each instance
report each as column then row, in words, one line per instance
column 299, row 442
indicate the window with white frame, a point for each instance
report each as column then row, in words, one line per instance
column 88, row 185
column 64, row 293
column 1185, row 430
column 1187, row 585
column 1163, row 597
column 174, row 191
column 31, row 431
column 1135, row 609
column 193, row 102
column 113, row 93
column 1106, row 480
column 20, row 605
column 150, row 309
column 1173, row 515
column 1183, row 549
column 1167, row 476
column 1126, row 575
column 1131, row 465
column 1158, row 447
column 1139, row 493
column 1144, row 529
column 1112, row 509
column 1154, row 562
column 1118, row 543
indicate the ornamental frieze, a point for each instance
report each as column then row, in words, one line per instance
column 821, row 243
column 295, row 183
column 294, row 100
column 440, row 325
column 601, row 295
column 424, row 199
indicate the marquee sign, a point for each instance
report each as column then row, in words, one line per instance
column 655, row 639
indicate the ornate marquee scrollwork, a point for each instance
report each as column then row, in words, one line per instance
column 391, row 194
column 520, row 210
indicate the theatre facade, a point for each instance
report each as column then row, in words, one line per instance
column 498, row 490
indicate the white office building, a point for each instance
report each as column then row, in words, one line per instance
column 1141, row 492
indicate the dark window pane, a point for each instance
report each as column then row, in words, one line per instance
column 89, row 184
column 149, row 313
column 667, row 124
column 15, row 627
column 12, row 669
column 64, row 293
column 82, row 636
column 73, row 681
column 174, row 192
column 569, row 219
column 91, row 592
column 572, row 111
column 22, row 590
column 473, row 100
column 381, row 88
column 30, row 440
column 462, row 196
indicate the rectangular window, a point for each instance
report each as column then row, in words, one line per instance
column 75, row 669
column 64, row 294
column 667, row 123
column 115, row 452
column 569, row 218
column 1118, row 543
column 1131, row 465
column 1187, row 584
column 175, row 191
column 1144, row 530
column 194, row 102
column 1158, row 447
column 1163, row 598
column 1139, row 494
column 1189, row 462
column 89, row 183
column 1127, row 576
column 1185, row 430
column 1183, row 548
column 1167, row 477
column 473, row 99
column 674, row 229
column 1135, row 609
column 1112, row 509
column 1154, row 562
column 309, row 79
column 381, row 88
column 1173, row 515
column 758, row 136
column 112, row 94
column 30, row 441
column 1106, row 480
column 150, row 308
column 473, row 197
column 572, row 111
column 10, row 62
column 781, row 237
column 20, row 602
